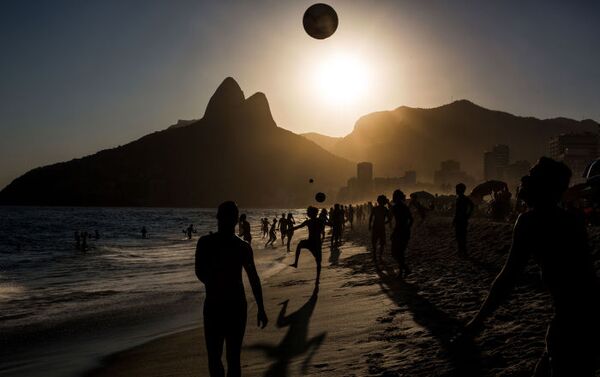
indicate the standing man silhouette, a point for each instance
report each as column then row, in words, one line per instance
column 557, row 241
column 403, row 221
column 290, row 222
column 220, row 258
column 245, row 232
column 336, row 217
column 379, row 217
column 351, row 215
column 283, row 227
column 324, row 217
column 463, row 211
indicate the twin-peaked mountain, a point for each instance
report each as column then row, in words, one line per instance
column 418, row 139
column 235, row 152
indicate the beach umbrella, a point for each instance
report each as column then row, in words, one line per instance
column 422, row 196
column 579, row 191
column 488, row 187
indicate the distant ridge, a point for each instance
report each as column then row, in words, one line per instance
column 235, row 152
column 418, row 139
column 183, row 123
column 326, row 142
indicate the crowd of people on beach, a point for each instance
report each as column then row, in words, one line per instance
column 551, row 234
column 553, row 237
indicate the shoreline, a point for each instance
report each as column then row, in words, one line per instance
column 365, row 322
column 73, row 345
column 273, row 267
column 191, row 359
column 183, row 353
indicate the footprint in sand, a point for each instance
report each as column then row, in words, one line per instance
column 385, row 319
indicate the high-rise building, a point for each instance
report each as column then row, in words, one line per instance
column 450, row 166
column 364, row 185
column 495, row 162
column 515, row 171
column 364, row 171
column 502, row 154
column 450, row 174
column 364, row 177
column 576, row 150
column 489, row 166
column 410, row 177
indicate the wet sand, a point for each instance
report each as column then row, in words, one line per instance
column 365, row 322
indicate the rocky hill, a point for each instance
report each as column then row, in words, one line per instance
column 418, row 139
column 235, row 152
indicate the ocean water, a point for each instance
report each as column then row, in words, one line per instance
column 63, row 309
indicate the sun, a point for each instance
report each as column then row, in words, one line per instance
column 341, row 79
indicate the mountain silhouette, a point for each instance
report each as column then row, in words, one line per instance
column 418, row 139
column 327, row 142
column 235, row 152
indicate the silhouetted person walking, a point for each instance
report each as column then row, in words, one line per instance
column 272, row 234
column 144, row 232
column 290, row 223
column 220, row 258
column 283, row 228
column 403, row 221
column 336, row 218
column 464, row 210
column 557, row 241
column 351, row 215
column 313, row 243
column 324, row 217
column 379, row 217
column 245, row 232
column 265, row 227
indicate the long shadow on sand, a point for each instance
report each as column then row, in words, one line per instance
column 334, row 256
column 463, row 356
column 295, row 342
column 490, row 268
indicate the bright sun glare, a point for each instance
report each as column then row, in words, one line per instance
column 341, row 79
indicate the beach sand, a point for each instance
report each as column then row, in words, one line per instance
column 364, row 322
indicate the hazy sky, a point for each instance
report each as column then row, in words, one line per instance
column 79, row 76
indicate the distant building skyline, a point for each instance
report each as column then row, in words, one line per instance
column 450, row 174
column 364, row 172
column 364, row 185
column 514, row 172
column 576, row 150
column 497, row 166
column 495, row 162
